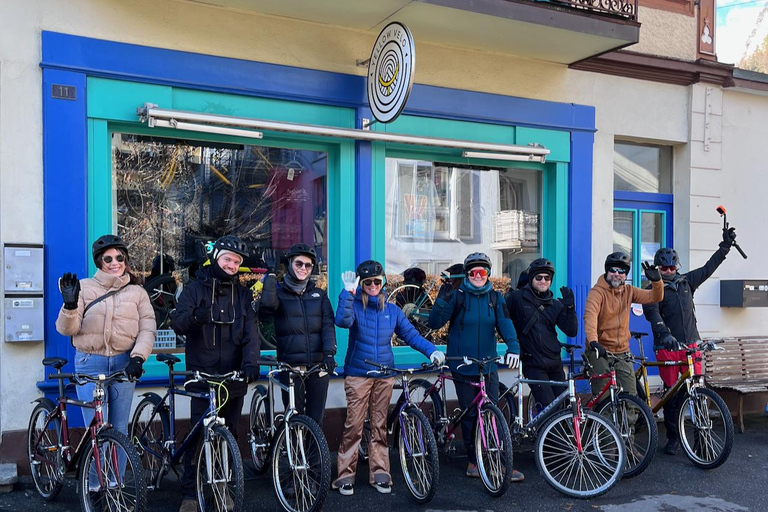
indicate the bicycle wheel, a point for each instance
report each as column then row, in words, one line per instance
column 111, row 477
column 637, row 427
column 43, row 450
column 428, row 402
column 493, row 447
column 419, row 459
column 149, row 431
column 706, row 428
column 416, row 305
column 258, row 435
column 301, row 466
column 219, row 472
column 584, row 473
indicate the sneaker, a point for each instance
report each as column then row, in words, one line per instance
column 516, row 476
column 673, row 445
column 188, row 506
column 347, row 490
column 472, row 471
column 383, row 487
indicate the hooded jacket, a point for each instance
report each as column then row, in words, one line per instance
column 676, row 313
column 540, row 346
column 370, row 333
column 606, row 315
column 123, row 322
column 473, row 329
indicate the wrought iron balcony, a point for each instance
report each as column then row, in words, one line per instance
column 623, row 8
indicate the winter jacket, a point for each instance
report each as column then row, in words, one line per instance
column 676, row 313
column 123, row 322
column 370, row 333
column 540, row 346
column 606, row 315
column 473, row 329
column 304, row 328
column 218, row 348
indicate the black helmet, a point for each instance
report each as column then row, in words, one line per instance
column 477, row 259
column 414, row 275
column 105, row 242
column 455, row 269
column 304, row 250
column 618, row 259
column 666, row 257
column 229, row 243
column 541, row 266
column 369, row 268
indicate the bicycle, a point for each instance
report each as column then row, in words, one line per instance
column 704, row 421
column 218, row 465
column 300, row 459
column 110, row 475
column 492, row 445
column 416, row 444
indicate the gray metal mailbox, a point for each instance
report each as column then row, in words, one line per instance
column 23, row 318
column 23, row 268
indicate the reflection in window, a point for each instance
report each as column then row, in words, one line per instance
column 642, row 168
column 623, row 234
column 173, row 196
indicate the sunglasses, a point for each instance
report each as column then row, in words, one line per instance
column 478, row 272
column 616, row 270
column 108, row 259
column 305, row 264
column 666, row 268
column 543, row 277
column 372, row 282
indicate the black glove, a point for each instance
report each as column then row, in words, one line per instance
column 669, row 342
column 567, row 297
column 598, row 348
column 251, row 373
column 651, row 272
column 729, row 235
column 202, row 315
column 69, row 287
column 270, row 260
column 329, row 362
column 445, row 292
column 134, row 369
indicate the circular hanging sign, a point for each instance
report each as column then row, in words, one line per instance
column 390, row 72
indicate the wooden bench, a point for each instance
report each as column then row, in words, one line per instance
column 742, row 367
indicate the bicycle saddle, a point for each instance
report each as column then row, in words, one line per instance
column 638, row 335
column 56, row 362
column 168, row 359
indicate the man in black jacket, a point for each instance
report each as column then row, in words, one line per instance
column 214, row 313
column 304, row 328
column 673, row 321
column 535, row 314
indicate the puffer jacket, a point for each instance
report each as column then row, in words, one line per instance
column 304, row 329
column 370, row 333
column 123, row 322
column 472, row 331
column 606, row 314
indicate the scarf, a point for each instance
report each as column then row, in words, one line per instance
column 293, row 283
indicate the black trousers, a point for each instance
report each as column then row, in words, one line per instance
column 231, row 413
column 671, row 413
column 465, row 392
column 544, row 394
column 309, row 395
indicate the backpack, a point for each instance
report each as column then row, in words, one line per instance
column 458, row 306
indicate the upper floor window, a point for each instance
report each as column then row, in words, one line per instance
column 642, row 168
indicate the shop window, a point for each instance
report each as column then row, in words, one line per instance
column 173, row 197
column 642, row 168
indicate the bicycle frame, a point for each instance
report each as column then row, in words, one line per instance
column 687, row 378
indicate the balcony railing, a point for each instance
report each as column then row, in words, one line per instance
column 623, row 8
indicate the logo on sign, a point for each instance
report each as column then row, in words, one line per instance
column 390, row 72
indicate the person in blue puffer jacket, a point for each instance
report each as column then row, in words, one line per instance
column 476, row 312
column 371, row 321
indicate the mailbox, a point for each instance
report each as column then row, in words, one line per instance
column 744, row 293
column 23, row 268
column 23, row 318
column 23, row 292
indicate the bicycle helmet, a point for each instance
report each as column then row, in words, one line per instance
column 369, row 268
column 304, row 250
column 414, row 275
column 618, row 259
column 106, row 242
column 477, row 259
column 229, row 243
column 666, row 257
column 541, row 266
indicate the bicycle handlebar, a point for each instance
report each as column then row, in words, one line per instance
column 280, row 366
column 198, row 376
column 388, row 369
column 82, row 379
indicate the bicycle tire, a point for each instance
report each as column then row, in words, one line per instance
column 493, row 448
column 640, row 438
column 48, row 475
column 601, row 446
column 224, row 489
column 310, row 473
column 416, row 305
column 150, row 440
column 126, row 493
column 429, row 403
column 715, row 427
column 419, row 459
column 259, row 434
